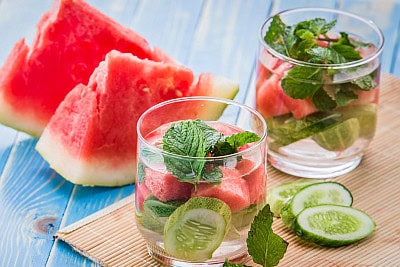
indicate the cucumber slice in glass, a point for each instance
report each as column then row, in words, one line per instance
column 333, row 225
column 278, row 195
column 313, row 195
column 197, row 228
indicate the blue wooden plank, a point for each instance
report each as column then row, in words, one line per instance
column 32, row 201
column 121, row 11
column 169, row 25
column 389, row 23
column 18, row 19
column 283, row 5
column 225, row 41
column 84, row 201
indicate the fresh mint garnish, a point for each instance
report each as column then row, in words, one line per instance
column 309, row 41
column 197, row 140
column 264, row 246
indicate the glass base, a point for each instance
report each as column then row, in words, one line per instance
column 160, row 256
column 313, row 169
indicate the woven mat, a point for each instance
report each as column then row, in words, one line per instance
column 110, row 237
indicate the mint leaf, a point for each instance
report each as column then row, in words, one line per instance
column 323, row 101
column 195, row 138
column 322, row 55
column 212, row 136
column 211, row 174
column 344, row 96
column 265, row 247
column 309, row 41
column 290, row 131
column 365, row 83
column 317, row 26
column 228, row 264
column 241, row 139
column 297, row 83
column 185, row 138
column 280, row 37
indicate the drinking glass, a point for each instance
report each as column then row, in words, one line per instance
column 320, row 96
column 191, row 215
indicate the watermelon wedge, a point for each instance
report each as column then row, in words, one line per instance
column 91, row 138
column 71, row 40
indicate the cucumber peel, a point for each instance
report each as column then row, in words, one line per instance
column 280, row 194
column 197, row 228
column 313, row 195
column 333, row 225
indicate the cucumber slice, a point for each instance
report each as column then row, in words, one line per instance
column 197, row 228
column 313, row 195
column 333, row 225
column 278, row 195
column 156, row 212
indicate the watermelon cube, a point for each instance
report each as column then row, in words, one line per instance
column 165, row 186
column 233, row 190
column 255, row 179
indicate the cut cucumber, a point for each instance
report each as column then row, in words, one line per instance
column 278, row 195
column 333, row 225
column 312, row 195
column 197, row 228
column 156, row 212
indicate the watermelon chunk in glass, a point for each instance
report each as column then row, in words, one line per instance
column 166, row 187
column 233, row 190
column 72, row 39
column 91, row 138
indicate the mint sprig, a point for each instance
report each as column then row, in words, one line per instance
column 196, row 140
column 309, row 41
column 264, row 246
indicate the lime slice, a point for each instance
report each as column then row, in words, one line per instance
column 196, row 229
column 366, row 114
column 333, row 225
column 340, row 136
column 313, row 195
column 278, row 195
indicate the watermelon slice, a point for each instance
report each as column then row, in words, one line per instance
column 72, row 39
column 91, row 139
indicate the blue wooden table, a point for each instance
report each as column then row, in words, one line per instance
column 218, row 36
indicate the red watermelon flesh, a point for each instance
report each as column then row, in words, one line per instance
column 72, row 38
column 141, row 194
column 166, row 187
column 233, row 190
column 91, row 139
column 255, row 179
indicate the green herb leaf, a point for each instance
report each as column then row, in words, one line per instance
column 322, row 55
column 241, row 139
column 344, row 96
column 323, row 101
column 185, row 138
column 228, row 264
column 318, row 26
column 195, row 138
column 265, row 247
column 280, row 37
column 297, row 83
column 309, row 41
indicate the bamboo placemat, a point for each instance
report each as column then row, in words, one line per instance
column 110, row 237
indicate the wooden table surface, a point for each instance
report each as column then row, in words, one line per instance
column 218, row 36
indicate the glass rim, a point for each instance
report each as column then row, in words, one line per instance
column 346, row 65
column 256, row 144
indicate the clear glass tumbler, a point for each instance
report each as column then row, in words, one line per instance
column 201, row 179
column 317, row 86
